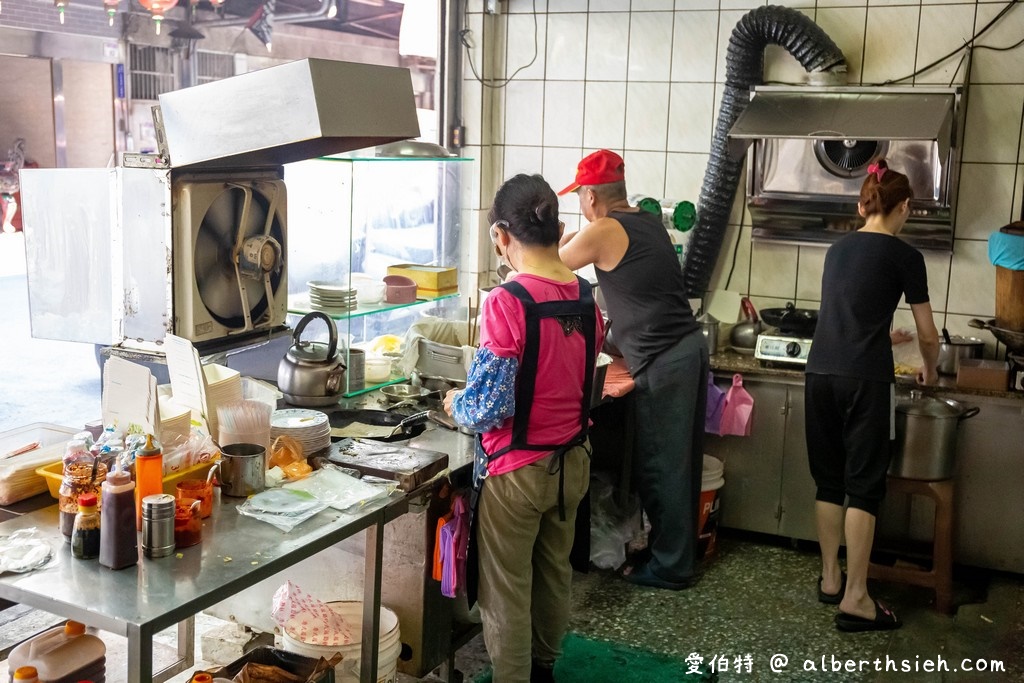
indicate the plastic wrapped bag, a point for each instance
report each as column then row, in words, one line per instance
column 308, row 619
column 23, row 551
column 739, row 409
column 610, row 528
column 284, row 508
column 198, row 448
column 340, row 491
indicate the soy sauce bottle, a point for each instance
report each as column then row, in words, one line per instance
column 85, row 537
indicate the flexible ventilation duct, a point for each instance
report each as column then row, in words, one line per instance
column 815, row 51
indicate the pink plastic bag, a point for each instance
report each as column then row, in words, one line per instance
column 739, row 406
column 716, row 404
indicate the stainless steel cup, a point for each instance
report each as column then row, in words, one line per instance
column 243, row 469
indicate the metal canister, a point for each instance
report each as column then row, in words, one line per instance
column 158, row 525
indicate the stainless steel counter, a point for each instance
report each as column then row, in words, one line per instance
column 768, row 487
column 236, row 552
column 729, row 361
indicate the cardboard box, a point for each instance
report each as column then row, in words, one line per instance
column 431, row 281
column 983, row 374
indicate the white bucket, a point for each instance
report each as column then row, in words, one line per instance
column 389, row 644
column 707, row 525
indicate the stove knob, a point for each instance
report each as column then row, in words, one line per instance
column 792, row 349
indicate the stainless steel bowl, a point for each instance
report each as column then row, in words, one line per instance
column 404, row 392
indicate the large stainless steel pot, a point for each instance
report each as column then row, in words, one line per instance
column 956, row 349
column 926, row 428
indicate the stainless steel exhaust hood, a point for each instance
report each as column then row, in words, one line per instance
column 847, row 114
column 809, row 149
column 299, row 110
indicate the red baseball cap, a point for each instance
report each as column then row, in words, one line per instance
column 603, row 166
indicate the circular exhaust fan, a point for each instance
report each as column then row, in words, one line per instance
column 848, row 158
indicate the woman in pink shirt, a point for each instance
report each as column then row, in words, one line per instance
column 528, row 396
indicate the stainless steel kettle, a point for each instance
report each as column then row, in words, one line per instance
column 312, row 373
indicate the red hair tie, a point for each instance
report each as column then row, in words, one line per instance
column 878, row 170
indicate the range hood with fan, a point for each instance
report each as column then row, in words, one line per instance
column 193, row 241
column 810, row 147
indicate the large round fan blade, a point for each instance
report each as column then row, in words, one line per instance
column 848, row 158
column 216, row 278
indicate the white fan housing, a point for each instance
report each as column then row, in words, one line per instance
column 229, row 271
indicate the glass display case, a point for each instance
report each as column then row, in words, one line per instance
column 353, row 217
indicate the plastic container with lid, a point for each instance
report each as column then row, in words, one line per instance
column 63, row 654
column 85, row 538
column 119, row 542
column 149, row 475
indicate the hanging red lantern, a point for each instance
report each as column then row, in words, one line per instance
column 157, row 8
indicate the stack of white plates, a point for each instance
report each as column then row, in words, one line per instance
column 311, row 428
column 333, row 296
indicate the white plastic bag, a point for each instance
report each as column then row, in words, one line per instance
column 307, row 619
column 340, row 491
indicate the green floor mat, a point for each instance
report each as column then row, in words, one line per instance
column 598, row 661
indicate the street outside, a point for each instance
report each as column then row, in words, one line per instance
column 40, row 380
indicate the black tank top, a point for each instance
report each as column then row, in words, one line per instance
column 645, row 293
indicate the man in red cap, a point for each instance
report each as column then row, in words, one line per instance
column 642, row 284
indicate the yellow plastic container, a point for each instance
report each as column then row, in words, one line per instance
column 54, row 474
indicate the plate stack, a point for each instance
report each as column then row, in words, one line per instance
column 331, row 296
column 311, row 428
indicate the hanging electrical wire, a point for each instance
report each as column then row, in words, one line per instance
column 494, row 82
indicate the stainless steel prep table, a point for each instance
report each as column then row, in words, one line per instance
column 236, row 552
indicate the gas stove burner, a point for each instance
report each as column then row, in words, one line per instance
column 781, row 349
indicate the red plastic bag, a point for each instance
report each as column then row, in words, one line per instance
column 739, row 407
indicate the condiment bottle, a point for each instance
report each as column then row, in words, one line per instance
column 85, row 538
column 80, row 477
column 158, row 525
column 119, row 542
column 149, row 475
column 26, row 674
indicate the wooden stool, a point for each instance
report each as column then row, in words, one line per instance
column 940, row 577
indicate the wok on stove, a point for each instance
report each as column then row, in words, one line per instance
column 792, row 320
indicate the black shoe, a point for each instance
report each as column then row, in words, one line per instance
column 541, row 674
column 644, row 576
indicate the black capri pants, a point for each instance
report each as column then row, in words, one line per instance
column 850, row 428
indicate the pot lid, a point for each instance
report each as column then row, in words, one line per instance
column 300, row 110
column 927, row 406
column 310, row 352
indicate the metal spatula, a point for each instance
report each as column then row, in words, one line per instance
column 404, row 426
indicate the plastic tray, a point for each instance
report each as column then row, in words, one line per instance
column 18, row 479
column 54, row 475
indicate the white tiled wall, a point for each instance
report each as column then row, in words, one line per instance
column 644, row 78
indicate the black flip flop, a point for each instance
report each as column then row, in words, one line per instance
column 885, row 620
column 832, row 598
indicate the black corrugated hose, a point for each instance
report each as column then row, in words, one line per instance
column 815, row 51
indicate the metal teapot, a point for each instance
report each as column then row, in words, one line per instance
column 312, row 373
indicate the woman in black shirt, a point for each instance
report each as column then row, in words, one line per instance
column 850, row 398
